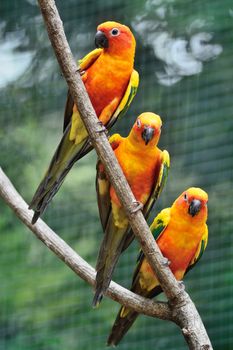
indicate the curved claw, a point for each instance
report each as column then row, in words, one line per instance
column 138, row 206
column 81, row 72
column 89, row 142
column 181, row 285
column 166, row 262
column 101, row 127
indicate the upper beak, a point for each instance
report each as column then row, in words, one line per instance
column 147, row 134
column 101, row 40
column 194, row 207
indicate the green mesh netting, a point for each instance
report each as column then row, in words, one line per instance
column 185, row 58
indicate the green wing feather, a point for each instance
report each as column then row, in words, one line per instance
column 157, row 227
column 123, row 106
column 83, row 64
column 160, row 222
column 113, row 236
column 72, row 152
column 61, row 163
column 160, row 183
column 103, row 196
column 126, row 317
column 200, row 250
column 68, row 110
column 103, row 186
column 108, row 256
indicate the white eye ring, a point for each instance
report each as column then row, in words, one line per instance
column 115, row 32
column 139, row 123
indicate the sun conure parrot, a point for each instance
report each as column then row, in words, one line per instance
column 145, row 167
column 111, row 82
column 181, row 234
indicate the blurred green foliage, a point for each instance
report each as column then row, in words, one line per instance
column 184, row 56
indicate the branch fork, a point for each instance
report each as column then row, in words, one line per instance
column 180, row 308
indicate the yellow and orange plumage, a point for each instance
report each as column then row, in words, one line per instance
column 145, row 167
column 111, row 83
column 181, row 234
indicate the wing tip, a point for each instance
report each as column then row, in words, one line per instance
column 111, row 342
column 113, row 339
column 116, row 335
column 135, row 78
column 35, row 217
column 97, row 299
column 166, row 158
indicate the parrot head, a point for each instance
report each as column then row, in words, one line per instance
column 147, row 129
column 193, row 202
column 114, row 37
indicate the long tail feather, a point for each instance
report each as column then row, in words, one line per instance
column 64, row 158
column 109, row 253
column 121, row 326
column 126, row 317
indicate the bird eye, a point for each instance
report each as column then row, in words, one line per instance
column 115, row 32
column 138, row 123
column 185, row 197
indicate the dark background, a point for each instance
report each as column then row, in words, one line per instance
column 184, row 57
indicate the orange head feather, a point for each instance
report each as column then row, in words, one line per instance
column 115, row 38
column 146, row 130
column 192, row 203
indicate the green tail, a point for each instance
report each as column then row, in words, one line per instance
column 126, row 317
column 67, row 153
column 109, row 253
column 121, row 327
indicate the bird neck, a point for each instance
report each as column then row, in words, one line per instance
column 123, row 54
column 135, row 145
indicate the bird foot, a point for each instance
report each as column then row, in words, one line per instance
column 166, row 262
column 137, row 206
column 81, row 72
column 101, row 128
column 181, row 285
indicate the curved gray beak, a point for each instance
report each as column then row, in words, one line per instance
column 194, row 207
column 147, row 134
column 101, row 40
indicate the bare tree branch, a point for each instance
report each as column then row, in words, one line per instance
column 186, row 314
column 116, row 292
column 184, row 311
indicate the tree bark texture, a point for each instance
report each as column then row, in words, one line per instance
column 183, row 309
column 59, row 247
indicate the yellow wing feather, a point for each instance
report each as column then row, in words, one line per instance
column 165, row 163
column 200, row 249
column 128, row 96
column 160, row 221
column 115, row 140
column 161, row 181
column 87, row 60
